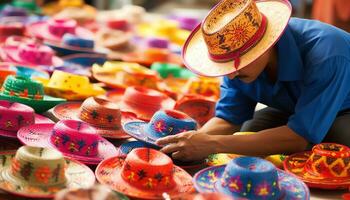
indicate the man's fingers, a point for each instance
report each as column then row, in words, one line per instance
column 178, row 155
column 171, row 148
column 167, row 140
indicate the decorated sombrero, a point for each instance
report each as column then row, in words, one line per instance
column 72, row 44
column 327, row 166
column 144, row 102
column 14, row 116
column 10, row 29
column 234, row 34
column 251, row 178
column 200, row 108
column 73, row 138
column 34, row 172
column 105, row 116
column 26, row 91
column 71, row 86
column 205, row 86
column 162, row 124
column 54, row 29
column 124, row 74
column 28, row 52
column 30, row 72
column 145, row 174
column 115, row 96
column 12, row 11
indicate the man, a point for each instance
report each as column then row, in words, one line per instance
column 304, row 79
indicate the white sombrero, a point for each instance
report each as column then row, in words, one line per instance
column 234, row 34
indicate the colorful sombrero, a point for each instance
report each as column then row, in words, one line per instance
column 74, row 139
column 26, row 91
column 144, row 102
column 6, row 69
column 200, row 108
column 10, row 29
column 71, row 86
column 234, row 34
column 34, row 172
column 145, row 174
column 162, row 124
column 251, row 178
column 27, row 52
column 15, row 116
column 105, row 116
column 54, row 29
column 124, row 74
column 327, row 166
column 205, row 86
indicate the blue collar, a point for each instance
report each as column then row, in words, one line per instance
column 290, row 65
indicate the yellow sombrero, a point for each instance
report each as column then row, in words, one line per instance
column 234, row 34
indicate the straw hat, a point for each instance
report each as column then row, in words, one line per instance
column 29, row 92
column 71, row 86
column 26, row 51
column 15, row 116
column 162, row 124
column 105, row 116
column 74, row 139
column 34, row 172
column 234, row 34
column 145, row 174
column 144, row 102
column 327, row 166
column 251, row 178
column 208, row 87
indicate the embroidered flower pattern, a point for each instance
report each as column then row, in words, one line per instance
column 235, row 184
column 160, row 126
column 263, row 189
column 43, row 174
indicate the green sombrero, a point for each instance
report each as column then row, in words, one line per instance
column 29, row 92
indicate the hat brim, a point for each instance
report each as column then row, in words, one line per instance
column 31, row 72
column 220, row 159
column 291, row 187
column 70, row 110
column 127, row 147
column 295, row 163
column 108, row 172
column 109, row 80
column 195, row 51
column 78, row 176
column 39, row 119
column 10, row 54
column 41, row 138
column 140, row 58
column 115, row 96
column 38, row 105
column 74, row 96
column 40, row 30
column 145, row 113
column 136, row 130
column 64, row 50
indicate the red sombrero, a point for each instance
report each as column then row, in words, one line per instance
column 54, row 29
column 105, row 116
column 326, row 167
column 145, row 102
column 145, row 174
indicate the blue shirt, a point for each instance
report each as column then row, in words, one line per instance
column 313, row 81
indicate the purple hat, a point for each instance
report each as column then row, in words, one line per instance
column 75, row 139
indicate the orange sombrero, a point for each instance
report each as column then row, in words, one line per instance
column 234, row 34
column 327, row 166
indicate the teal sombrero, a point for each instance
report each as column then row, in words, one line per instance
column 29, row 92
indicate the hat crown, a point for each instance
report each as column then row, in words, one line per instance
column 139, row 96
column 169, row 122
column 76, row 41
column 148, row 169
column 75, row 137
column 39, row 166
column 15, row 115
column 23, row 87
column 35, row 53
column 329, row 160
column 251, row 178
column 154, row 42
column 230, row 27
column 59, row 27
column 68, row 81
column 100, row 112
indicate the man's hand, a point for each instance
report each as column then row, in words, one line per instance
column 188, row 146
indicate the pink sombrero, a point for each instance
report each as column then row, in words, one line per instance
column 234, row 34
column 14, row 116
column 75, row 139
column 26, row 51
column 54, row 29
column 144, row 174
column 105, row 116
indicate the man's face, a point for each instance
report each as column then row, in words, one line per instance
column 251, row 72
